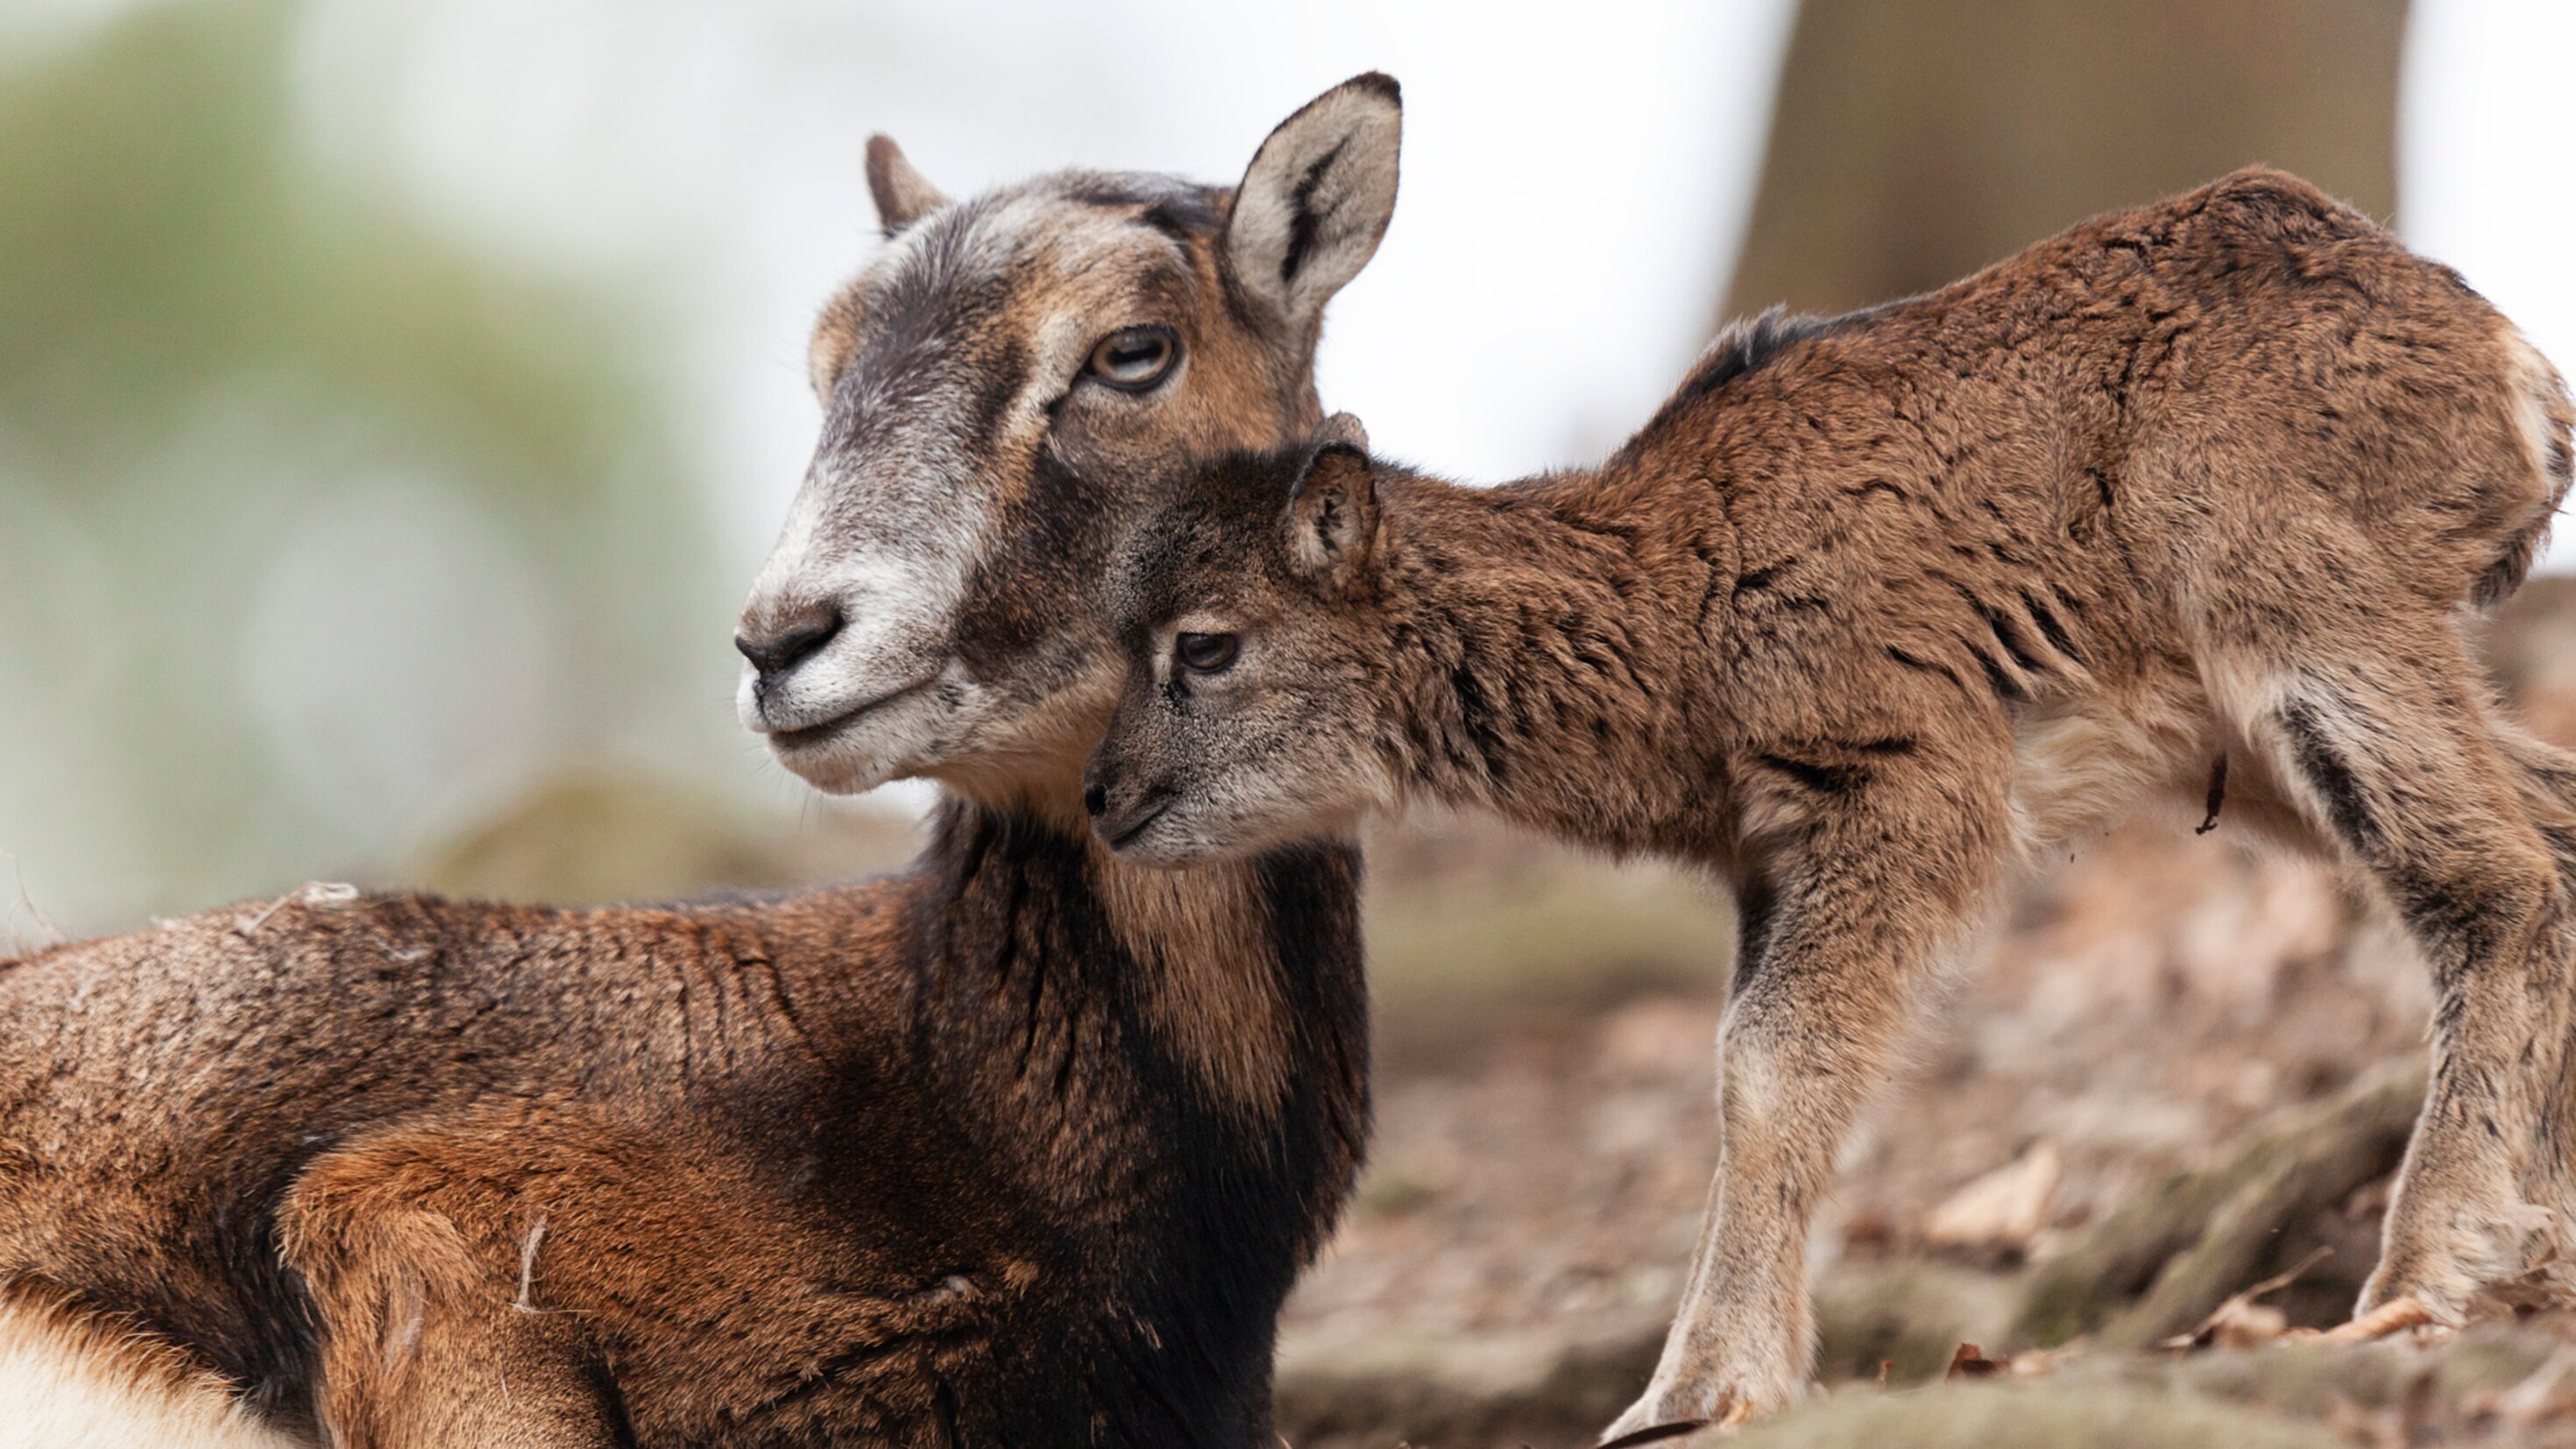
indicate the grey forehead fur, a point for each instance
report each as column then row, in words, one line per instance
column 927, row 363
column 943, row 276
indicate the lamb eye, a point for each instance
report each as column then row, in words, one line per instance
column 1206, row 653
column 1133, row 359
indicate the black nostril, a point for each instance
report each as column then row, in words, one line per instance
column 1095, row 798
column 775, row 651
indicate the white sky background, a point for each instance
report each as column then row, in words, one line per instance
column 2486, row 165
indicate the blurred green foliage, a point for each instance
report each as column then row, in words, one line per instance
column 165, row 235
column 205, row 334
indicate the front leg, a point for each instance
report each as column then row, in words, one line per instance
column 1875, row 876
column 429, row 1338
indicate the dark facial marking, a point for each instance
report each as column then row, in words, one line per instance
column 907, row 348
column 1009, row 373
column 1046, row 549
column 1184, row 216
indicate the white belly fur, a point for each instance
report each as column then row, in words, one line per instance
column 2080, row 769
column 73, row 1381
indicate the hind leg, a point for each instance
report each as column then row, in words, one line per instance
column 2546, row 778
column 2375, row 722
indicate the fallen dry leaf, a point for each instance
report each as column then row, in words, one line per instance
column 2241, row 1322
column 2033, row 1363
column 2394, row 1316
column 2238, row 1324
column 1970, row 1362
column 2002, row 1210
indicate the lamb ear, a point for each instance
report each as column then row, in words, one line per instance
column 902, row 195
column 1332, row 516
column 1316, row 199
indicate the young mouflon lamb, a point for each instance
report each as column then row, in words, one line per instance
column 1877, row 609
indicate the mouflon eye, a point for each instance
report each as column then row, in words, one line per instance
column 1205, row 653
column 1135, row 358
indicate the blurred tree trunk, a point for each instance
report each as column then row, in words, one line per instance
column 1916, row 140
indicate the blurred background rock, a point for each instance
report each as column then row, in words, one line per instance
column 395, row 399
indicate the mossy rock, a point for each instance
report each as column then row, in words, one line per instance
column 2042, row 1415
column 1910, row 1314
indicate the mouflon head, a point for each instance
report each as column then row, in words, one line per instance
column 1001, row 384
column 1251, row 713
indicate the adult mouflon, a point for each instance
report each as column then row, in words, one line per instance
column 1022, row 1147
column 2186, row 503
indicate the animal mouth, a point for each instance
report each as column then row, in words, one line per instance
column 1136, row 827
column 815, row 734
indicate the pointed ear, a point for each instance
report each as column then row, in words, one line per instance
column 1345, row 429
column 902, row 196
column 1316, row 199
column 1332, row 516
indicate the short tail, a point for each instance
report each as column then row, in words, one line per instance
column 2547, row 422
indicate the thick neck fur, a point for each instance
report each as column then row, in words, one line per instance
column 1546, row 663
column 1177, row 1061
column 1239, row 978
